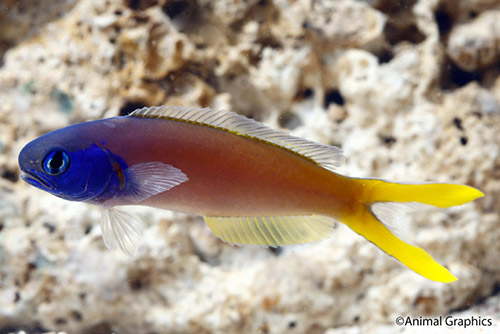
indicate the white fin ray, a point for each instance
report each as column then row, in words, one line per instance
column 152, row 178
column 328, row 157
column 271, row 231
column 121, row 229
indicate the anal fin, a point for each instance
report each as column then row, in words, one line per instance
column 271, row 230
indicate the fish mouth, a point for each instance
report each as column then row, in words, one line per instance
column 37, row 180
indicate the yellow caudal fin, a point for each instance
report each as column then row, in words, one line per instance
column 365, row 222
column 413, row 257
column 442, row 195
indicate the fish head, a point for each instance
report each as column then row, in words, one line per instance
column 68, row 163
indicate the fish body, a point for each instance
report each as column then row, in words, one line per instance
column 228, row 175
column 253, row 185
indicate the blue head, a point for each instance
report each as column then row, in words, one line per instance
column 69, row 163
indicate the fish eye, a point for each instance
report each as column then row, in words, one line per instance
column 56, row 162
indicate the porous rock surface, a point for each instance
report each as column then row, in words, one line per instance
column 410, row 90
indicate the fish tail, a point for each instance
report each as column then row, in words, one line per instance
column 442, row 195
column 364, row 221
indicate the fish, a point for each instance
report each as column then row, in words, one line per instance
column 251, row 183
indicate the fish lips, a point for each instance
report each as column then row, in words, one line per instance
column 37, row 180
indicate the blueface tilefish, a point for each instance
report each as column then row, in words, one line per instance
column 252, row 184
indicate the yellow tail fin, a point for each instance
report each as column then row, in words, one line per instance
column 364, row 221
column 442, row 195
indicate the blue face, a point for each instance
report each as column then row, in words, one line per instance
column 64, row 167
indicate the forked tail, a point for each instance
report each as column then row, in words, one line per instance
column 366, row 223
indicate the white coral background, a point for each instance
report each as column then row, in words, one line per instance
column 409, row 89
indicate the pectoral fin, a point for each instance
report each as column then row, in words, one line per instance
column 151, row 178
column 121, row 229
column 141, row 181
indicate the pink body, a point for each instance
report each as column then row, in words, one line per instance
column 229, row 175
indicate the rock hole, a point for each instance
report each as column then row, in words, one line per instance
column 391, row 7
column 444, row 21
column 88, row 229
column 133, row 4
column 454, row 77
column 140, row 18
column 276, row 251
column 29, row 270
column 139, row 279
column 396, row 34
column 130, row 106
column 304, row 94
column 175, row 8
column 269, row 41
column 388, row 140
column 462, row 78
column 333, row 96
column 385, row 57
column 17, row 297
column 458, row 123
column 307, row 93
column 401, row 24
column 10, row 175
column 140, row 4
column 77, row 316
column 263, row 12
column 50, row 227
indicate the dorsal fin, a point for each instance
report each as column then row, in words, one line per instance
column 325, row 156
